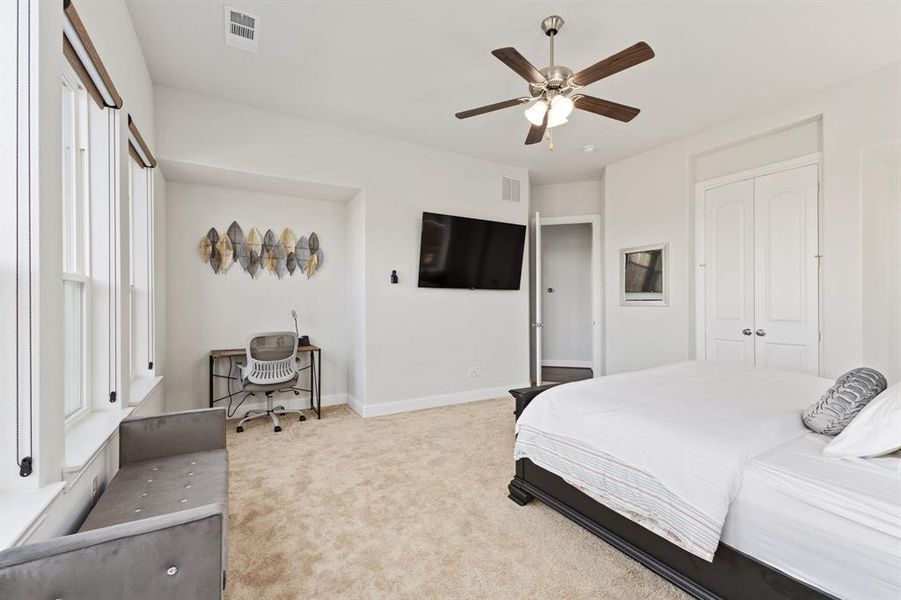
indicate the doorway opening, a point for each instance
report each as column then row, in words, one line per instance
column 567, row 299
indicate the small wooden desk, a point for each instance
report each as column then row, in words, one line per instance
column 315, row 367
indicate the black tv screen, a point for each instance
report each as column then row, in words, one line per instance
column 458, row 252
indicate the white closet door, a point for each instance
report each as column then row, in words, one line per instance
column 730, row 273
column 786, row 281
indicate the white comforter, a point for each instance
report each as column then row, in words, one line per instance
column 666, row 446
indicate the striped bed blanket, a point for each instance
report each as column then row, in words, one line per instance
column 666, row 447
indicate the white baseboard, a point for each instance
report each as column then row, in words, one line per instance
column 355, row 405
column 288, row 401
column 390, row 408
column 575, row 364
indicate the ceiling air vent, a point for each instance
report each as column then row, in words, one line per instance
column 510, row 189
column 241, row 29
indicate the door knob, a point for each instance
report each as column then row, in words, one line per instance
column 760, row 332
column 550, row 290
column 746, row 331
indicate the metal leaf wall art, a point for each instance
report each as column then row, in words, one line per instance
column 213, row 237
column 256, row 253
column 226, row 253
column 236, row 236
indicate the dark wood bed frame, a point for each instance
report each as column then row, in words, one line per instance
column 731, row 575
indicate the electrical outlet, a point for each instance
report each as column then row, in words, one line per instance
column 94, row 490
column 473, row 372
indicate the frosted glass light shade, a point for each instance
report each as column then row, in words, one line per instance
column 535, row 113
column 561, row 107
column 555, row 120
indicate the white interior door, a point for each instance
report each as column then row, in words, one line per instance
column 729, row 238
column 537, row 293
column 786, row 280
column 567, row 317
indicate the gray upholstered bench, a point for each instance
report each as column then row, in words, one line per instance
column 159, row 529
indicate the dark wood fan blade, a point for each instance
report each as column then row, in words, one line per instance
column 536, row 132
column 629, row 57
column 489, row 108
column 516, row 61
column 605, row 108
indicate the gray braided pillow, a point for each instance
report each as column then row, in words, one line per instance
column 841, row 403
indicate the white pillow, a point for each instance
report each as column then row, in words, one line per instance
column 875, row 431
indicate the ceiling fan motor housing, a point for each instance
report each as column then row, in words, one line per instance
column 557, row 76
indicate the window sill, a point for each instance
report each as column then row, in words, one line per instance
column 141, row 388
column 22, row 510
column 91, row 433
column 87, row 437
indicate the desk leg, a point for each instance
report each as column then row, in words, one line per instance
column 319, row 386
column 211, row 381
column 313, row 381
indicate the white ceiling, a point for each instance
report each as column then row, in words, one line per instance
column 402, row 69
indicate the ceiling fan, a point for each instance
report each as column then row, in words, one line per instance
column 555, row 88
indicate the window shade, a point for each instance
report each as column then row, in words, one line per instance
column 83, row 56
column 137, row 147
column 133, row 153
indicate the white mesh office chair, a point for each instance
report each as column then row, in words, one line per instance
column 271, row 367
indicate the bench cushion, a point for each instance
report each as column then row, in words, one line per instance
column 160, row 486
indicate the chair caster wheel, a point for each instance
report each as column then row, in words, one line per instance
column 240, row 429
column 302, row 418
column 277, row 429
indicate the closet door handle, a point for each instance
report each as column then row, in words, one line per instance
column 746, row 331
column 760, row 332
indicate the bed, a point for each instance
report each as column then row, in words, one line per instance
column 705, row 474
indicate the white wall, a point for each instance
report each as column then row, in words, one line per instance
column 221, row 310
column 566, row 312
column 649, row 199
column 775, row 146
column 419, row 342
column 569, row 199
column 881, row 269
column 356, row 300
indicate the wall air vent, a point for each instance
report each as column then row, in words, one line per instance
column 510, row 189
column 241, row 29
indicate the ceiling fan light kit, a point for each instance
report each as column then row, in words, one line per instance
column 554, row 90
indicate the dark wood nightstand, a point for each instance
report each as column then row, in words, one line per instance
column 523, row 396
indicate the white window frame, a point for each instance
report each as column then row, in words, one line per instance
column 139, row 369
column 80, row 274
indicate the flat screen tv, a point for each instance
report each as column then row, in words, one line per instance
column 458, row 252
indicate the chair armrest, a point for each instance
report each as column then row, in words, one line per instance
column 144, row 438
column 525, row 395
column 178, row 555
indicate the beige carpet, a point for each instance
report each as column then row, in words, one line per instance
column 405, row 506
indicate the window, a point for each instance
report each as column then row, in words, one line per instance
column 643, row 276
column 19, row 236
column 76, row 276
column 141, row 267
